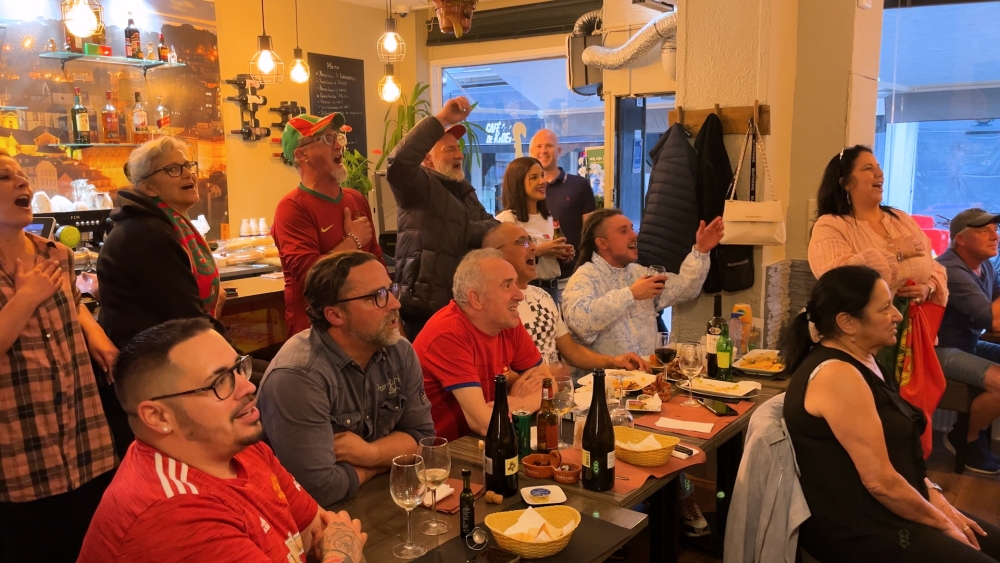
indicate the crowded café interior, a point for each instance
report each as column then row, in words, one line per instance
column 499, row 280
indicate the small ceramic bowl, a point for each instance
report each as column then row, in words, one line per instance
column 567, row 477
column 537, row 466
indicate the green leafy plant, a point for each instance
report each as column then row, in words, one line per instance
column 408, row 111
column 357, row 172
column 469, row 144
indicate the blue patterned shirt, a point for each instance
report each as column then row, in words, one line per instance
column 601, row 312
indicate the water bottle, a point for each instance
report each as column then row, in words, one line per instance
column 736, row 334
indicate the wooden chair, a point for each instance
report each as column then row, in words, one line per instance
column 958, row 398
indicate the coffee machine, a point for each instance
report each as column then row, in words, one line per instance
column 90, row 228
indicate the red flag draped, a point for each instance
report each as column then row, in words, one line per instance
column 919, row 374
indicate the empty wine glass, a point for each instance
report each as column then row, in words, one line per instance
column 619, row 414
column 690, row 361
column 563, row 402
column 407, row 490
column 437, row 468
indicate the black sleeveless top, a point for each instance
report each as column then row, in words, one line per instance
column 842, row 508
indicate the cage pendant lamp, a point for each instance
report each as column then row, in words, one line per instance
column 299, row 69
column 388, row 88
column 266, row 66
column 391, row 47
column 82, row 17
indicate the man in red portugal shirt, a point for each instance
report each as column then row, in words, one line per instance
column 197, row 484
column 319, row 216
column 471, row 340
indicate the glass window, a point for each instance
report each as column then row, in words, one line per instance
column 938, row 119
column 515, row 100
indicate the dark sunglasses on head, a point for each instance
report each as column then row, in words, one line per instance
column 224, row 385
column 175, row 170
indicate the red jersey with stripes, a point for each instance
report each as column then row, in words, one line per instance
column 158, row 509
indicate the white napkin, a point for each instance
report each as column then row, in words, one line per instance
column 653, row 403
column 529, row 523
column 442, row 492
column 647, row 445
column 672, row 424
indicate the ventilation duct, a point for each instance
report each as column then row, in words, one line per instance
column 661, row 28
column 580, row 78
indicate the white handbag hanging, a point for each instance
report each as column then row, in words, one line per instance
column 753, row 223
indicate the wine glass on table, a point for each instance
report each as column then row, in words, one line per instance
column 619, row 414
column 690, row 361
column 665, row 352
column 437, row 468
column 407, row 490
column 564, row 402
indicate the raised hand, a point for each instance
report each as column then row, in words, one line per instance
column 39, row 283
column 360, row 227
column 708, row 236
column 455, row 110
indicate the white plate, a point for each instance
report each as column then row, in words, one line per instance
column 640, row 377
column 742, row 365
column 557, row 495
column 715, row 388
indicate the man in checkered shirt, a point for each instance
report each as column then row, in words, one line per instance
column 538, row 311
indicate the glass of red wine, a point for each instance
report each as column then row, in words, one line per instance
column 666, row 348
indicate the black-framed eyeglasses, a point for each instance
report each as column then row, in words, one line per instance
column 175, row 170
column 225, row 384
column 328, row 139
column 521, row 241
column 380, row 296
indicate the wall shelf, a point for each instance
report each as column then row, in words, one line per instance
column 64, row 57
column 94, row 145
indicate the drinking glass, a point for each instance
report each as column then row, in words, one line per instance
column 666, row 348
column 619, row 414
column 690, row 361
column 437, row 468
column 563, row 402
column 407, row 490
column 657, row 271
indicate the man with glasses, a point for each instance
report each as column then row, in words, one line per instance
column 320, row 216
column 197, row 484
column 344, row 397
column 973, row 306
column 538, row 312
column 440, row 216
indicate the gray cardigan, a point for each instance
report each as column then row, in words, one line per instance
column 768, row 506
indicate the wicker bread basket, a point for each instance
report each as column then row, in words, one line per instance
column 558, row 516
column 651, row 458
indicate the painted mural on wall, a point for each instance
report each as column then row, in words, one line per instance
column 37, row 94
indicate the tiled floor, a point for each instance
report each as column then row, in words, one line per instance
column 974, row 493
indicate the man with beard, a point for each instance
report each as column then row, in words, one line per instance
column 320, row 216
column 440, row 217
column 341, row 399
column 197, row 484
column 471, row 340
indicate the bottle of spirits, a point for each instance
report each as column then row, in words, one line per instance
column 715, row 326
column 172, row 57
column 133, row 40
column 163, row 51
column 467, row 503
column 500, row 455
column 109, row 121
column 548, row 420
column 162, row 118
column 140, row 124
column 151, row 53
column 598, row 456
column 724, row 351
column 81, row 121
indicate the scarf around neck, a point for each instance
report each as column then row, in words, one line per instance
column 206, row 275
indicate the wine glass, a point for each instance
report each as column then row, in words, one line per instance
column 563, row 402
column 690, row 361
column 654, row 271
column 407, row 490
column 619, row 414
column 437, row 467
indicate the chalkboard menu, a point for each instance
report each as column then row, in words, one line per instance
column 338, row 84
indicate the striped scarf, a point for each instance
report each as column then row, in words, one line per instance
column 202, row 264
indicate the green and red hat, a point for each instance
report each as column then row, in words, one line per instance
column 306, row 126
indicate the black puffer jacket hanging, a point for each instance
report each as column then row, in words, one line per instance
column 670, row 218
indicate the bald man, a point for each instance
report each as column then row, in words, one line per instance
column 569, row 197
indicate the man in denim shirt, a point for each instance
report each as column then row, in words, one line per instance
column 343, row 398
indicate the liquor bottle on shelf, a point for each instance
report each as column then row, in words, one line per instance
column 81, row 121
column 500, row 455
column 172, row 57
column 598, row 454
column 163, row 51
column 109, row 121
column 715, row 326
column 548, row 420
column 162, row 116
column 467, row 512
column 140, row 123
column 724, row 351
column 133, row 40
column 151, row 53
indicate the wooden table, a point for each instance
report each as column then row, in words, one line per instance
column 385, row 522
column 990, row 336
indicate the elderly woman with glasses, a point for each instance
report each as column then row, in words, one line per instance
column 154, row 266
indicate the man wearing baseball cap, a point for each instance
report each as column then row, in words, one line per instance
column 973, row 307
column 319, row 216
column 440, row 217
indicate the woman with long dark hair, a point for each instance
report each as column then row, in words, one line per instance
column 524, row 189
column 857, row 442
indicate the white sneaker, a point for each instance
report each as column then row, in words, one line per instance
column 693, row 520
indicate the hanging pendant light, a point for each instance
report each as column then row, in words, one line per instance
column 266, row 66
column 388, row 87
column 391, row 48
column 82, row 17
column 299, row 71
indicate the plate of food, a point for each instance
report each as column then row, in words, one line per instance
column 762, row 362
column 725, row 389
column 644, row 403
column 634, row 381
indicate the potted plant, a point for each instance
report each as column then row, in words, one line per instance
column 455, row 16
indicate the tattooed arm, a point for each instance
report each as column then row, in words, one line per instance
column 338, row 539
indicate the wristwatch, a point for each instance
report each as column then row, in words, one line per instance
column 935, row 486
column 357, row 241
